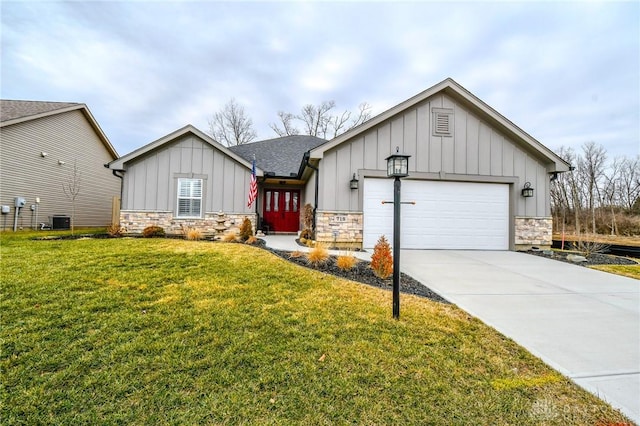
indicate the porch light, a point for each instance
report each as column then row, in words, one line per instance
column 397, row 167
column 353, row 183
column 398, row 164
column 527, row 191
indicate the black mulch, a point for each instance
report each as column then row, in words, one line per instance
column 362, row 273
column 593, row 259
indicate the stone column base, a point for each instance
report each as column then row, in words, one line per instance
column 339, row 229
column 533, row 232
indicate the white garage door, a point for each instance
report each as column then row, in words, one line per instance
column 447, row 215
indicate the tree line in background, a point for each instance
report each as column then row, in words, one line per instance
column 598, row 196
column 231, row 125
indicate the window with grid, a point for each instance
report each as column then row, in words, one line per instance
column 189, row 197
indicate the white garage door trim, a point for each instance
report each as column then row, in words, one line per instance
column 447, row 215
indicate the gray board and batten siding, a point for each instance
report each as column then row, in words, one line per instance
column 151, row 179
column 474, row 151
column 66, row 137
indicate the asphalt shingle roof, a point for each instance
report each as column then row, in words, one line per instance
column 281, row 156
column 11, row 110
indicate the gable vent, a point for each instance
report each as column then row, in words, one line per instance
column 442, row 121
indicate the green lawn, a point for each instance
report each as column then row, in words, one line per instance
column 138, row 331
column 631, row 271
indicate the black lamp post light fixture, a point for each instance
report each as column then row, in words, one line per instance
column 527, row 191
column 353, row 183
column 397, row 167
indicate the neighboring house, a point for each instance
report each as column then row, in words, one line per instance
column 40, row 144
column 467, row 168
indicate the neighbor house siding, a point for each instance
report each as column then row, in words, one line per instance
column 66, row 137
column 150, row 182
column 475, row 150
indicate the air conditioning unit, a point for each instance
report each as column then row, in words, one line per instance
column 60, row 222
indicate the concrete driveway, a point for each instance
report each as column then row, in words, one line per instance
column 582, row 322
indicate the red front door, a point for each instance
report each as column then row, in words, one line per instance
column 282, row 209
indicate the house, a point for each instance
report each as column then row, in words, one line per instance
column 468, row 168
column 42, row 144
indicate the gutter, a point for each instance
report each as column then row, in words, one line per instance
column 317, row 178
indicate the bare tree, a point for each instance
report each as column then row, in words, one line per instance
column 288, row 128
column 71, row 190
column 629, row 183
column 319, row 120
column 231, row 126
column 593, row 169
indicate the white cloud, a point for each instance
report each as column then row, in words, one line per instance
column 147, row 68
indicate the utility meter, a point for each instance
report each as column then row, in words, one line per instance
column 20, row 202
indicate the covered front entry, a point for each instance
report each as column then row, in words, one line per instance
column 281, row 210
column 447, row 215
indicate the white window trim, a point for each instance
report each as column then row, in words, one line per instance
column 178, row 198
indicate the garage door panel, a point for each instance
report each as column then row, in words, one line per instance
column 447, row 215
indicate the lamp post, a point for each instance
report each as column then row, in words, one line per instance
column 397, row 167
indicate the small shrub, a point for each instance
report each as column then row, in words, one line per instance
column 346, row 262
column 306, row 234
column 303, row 240
column 587, row 248
column 153, row 231
column 229, row 237
column 252, row 240
column 381, row 259
column 246, row 230
column 310, row 243
column 317, row 255
column 307, row 217
column 295, row 254
column 115, row 230
column 194, row 234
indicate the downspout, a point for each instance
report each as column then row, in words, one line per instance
column 315, row 207
column 121, row 177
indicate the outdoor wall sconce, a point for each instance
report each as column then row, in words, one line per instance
column 43, row 154
column 60, row 162
column 353, row 183
column 527, row 191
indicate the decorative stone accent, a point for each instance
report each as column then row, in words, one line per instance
column 339, row 228
column 213, row 223
column 533, row 232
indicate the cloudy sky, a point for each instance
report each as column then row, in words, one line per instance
column 566, row 73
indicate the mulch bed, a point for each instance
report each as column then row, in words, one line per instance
column 362, row 273
column 593, row 259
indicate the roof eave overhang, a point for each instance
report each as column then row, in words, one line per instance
column 87, row 113
column 119, row 164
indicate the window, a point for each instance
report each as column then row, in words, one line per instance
column 189, row 197
column 442, row 121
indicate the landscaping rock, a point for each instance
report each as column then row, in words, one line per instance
column 575, row 258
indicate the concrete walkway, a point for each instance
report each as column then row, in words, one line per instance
column 582, row 322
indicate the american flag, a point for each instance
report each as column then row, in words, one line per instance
column 253, row 186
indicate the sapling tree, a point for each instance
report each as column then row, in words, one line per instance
column 71, row 188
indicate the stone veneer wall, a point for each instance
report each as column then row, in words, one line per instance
column 134, row 221
column 339, row 228
column 533, row 231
